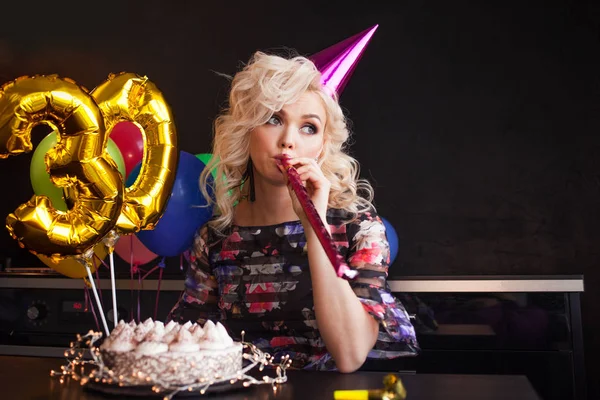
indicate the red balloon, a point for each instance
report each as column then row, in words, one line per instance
column 128, row 138
column 130, row 249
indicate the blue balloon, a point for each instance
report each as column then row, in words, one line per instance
column 185, row 213
column 392, row 238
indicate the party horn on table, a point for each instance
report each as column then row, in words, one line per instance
column 341, row 268
column 394, row 390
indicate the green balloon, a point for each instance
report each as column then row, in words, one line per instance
column 113, row 150
column 205, row 158
column 40, row 179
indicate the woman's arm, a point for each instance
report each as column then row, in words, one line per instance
column 347, row 329
column 349, row 332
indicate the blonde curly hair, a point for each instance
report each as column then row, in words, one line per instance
column 261, row 88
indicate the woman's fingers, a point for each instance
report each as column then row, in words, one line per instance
column 299, row 161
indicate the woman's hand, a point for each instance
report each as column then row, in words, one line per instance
column 315, row 182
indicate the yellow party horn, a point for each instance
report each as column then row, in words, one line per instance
column 394, row 390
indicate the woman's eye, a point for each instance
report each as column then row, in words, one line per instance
column 309, row 129
column 274, row 120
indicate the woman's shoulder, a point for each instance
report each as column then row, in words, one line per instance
column 338, row 216
column 356, row 226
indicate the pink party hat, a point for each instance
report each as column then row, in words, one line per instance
column 337, row 62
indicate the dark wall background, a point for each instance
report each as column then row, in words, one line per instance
column 477, row 122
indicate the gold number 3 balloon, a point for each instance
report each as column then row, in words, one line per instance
column 93, row 187
column 127, row 96
column 78, row 162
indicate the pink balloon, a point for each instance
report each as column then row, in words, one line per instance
column 130, row 249
column 128, row 138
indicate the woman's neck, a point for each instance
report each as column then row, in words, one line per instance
column 272, row 205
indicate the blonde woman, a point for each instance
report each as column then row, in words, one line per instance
column 258, row 266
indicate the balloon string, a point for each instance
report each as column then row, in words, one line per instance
column 98, row 281
column 113, row 287
column 88, row 305
column 160, row 274
column 101, row 260
column 131, row 266
column 149, row 272
column 138, row 297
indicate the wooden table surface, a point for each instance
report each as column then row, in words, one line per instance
column 28, row 378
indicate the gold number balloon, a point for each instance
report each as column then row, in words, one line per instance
column 127, row 96
column 78, row 163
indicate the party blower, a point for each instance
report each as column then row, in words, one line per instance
column 393, row 390
column 341, row 268
column 336, row 64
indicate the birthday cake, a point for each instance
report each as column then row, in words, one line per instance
column 171, row 354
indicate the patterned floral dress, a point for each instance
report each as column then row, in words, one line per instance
column 257, row 279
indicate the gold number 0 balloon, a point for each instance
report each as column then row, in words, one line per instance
column 78, row 162
column 127, row 96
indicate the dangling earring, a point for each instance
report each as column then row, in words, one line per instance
column 249, row 177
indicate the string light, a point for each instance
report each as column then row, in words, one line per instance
column 86, row 343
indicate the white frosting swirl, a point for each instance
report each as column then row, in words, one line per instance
column 184, row 336
column 197, row 332
column 141, row 331
column 149, row 337
column 225, row 338
column 184, row 347
column 150, row 348
column 211, row 333
column 205, row 344
column 156, row 334
column 171, row 325
column 119, row 328
column 121, row 346
column 170, row 336
column 121, row 342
